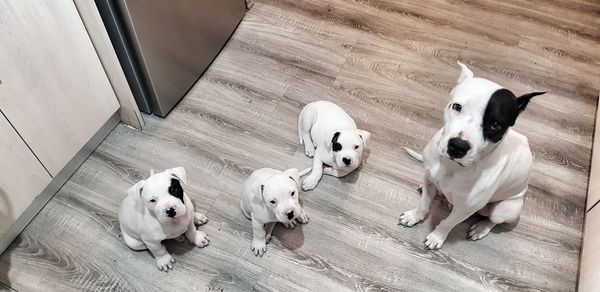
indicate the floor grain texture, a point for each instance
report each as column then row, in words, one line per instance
column 391, row 65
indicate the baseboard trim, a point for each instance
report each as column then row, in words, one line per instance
column 57, row 182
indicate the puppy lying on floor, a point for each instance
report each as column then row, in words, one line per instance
column 476, row 160
column 271, row 196
column 156, row 209
column 330, row 135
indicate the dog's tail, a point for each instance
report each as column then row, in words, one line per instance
column 300, row 133
column 414, row 154
column 305, row 172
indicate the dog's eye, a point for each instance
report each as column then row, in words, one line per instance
column 153, row 200
column 495, row 126
column 293, row 193
column 457, row 107
column 273, row 202
column 356, row 147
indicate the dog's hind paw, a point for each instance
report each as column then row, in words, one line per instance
column 480, row 229
column 199, row 218
column 310, row 182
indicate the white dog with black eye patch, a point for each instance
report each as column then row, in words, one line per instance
column 156, row 209
column 271, row 196
column 330, row 135
column 476, row 160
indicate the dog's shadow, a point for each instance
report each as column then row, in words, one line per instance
column 291, row 239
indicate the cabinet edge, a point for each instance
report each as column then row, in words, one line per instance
column 59, row 180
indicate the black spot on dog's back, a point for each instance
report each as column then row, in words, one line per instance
column 502, row 111
column 334, row 142
column 175, row 189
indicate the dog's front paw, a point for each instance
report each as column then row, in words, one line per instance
column 259, row 247
column 410, row 218
column 165, row 262
column 310, row 182
column 434, row 241
column 201, row 239
column 303, row 218
column 290, row 224
column 199, row 218
column 309, row 150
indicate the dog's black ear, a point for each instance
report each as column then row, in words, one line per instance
column 335, row 146
column 523, row 100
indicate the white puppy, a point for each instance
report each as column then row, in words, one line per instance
column 476, row 160
column 156, row 209
column 271, row 196
column 330, row 135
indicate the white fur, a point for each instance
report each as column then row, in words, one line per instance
column 491, row 179
column 263, row 187
column 317, row 124
column 144, row 224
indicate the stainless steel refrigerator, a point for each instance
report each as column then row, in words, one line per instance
column 164, row 46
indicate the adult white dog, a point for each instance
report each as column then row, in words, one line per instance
column 271, row 196
column 476, row 160
column 156, row 209
column 330, row 135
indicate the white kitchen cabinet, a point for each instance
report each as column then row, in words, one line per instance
column 23, row 176
column 56, row 105
column 54, row 89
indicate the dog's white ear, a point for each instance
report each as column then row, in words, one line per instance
column 151, row 171
column 364, row 135
column 136, row 189
column 261, row 191
column 293, row 174
column 465, row 73
column 179, row 173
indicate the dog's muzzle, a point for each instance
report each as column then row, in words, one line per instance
column 458, row 148
column 290, row 215
column 171, row 212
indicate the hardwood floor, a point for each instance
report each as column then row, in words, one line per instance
column 391, row 65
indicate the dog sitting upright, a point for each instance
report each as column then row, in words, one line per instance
column 271, row 196
column 156, row 209
column 330, row 135
column 476, row 160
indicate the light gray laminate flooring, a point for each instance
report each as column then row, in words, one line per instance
column 391, row 65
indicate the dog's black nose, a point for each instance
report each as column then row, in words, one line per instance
column 171, row 212
column 347, row 161
column 458, row 148
column 290, row 215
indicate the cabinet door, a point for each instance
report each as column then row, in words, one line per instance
column 589, row 272
column 53, row 88
column 22, row 177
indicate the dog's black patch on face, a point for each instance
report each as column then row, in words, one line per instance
column 336, row 146
column 176, row 190
column 502, row 111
